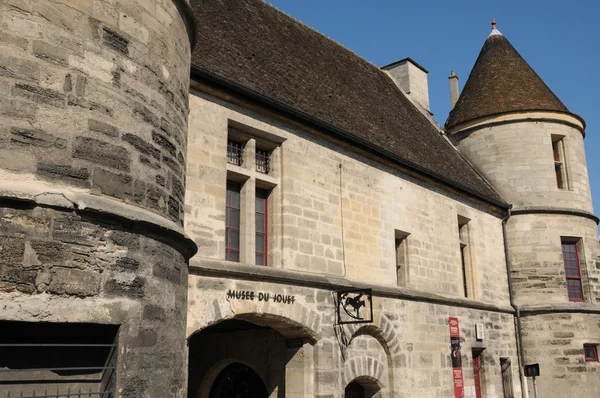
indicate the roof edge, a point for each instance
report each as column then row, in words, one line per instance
column 189, row 19
column 518, row 116
column 402, row 61
column 198, row 72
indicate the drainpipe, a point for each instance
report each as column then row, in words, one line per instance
column 524, row 390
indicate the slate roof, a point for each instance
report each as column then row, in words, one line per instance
column 502, row 81
column 266, row 52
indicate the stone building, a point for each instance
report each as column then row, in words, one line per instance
column 206, row 234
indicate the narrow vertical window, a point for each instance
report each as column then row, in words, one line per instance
column 401, row 254
column 559, row 162
column 232, row 222
column 464, row 261
column 572, row 270
column 234, row 152
column 262, row 226
column 507, row 383
column 263, row 160
column 590, row 352
column 477, row 372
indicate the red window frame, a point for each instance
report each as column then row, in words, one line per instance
column 262, row 228
column 572, row 271
column 232, row 252
column 593, row 350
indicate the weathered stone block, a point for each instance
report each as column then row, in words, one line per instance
column 50, row 53
column 74, row 282
column 115, row 41
column 163, row 142
column 89, row 105
column 11, row 250
column 127, row 263
column 104, row 128
column 39, row 94
column 77, row 176
column 133, row 289
column 102, row 153
column 37, row 138
column 18, row 68
column 141, row 145
column 112, row 184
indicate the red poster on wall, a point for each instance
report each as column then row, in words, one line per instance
column 457, row 373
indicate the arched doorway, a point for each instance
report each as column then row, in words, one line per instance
column 363, row 387
column 238, row 358
column 238, row 381
column 354, row 390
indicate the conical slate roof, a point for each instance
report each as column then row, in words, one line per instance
column 502, row 81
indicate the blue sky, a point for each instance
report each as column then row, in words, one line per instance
column 559, row 39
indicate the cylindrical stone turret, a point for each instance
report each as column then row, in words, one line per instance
column 529, row 146
column 93, row 123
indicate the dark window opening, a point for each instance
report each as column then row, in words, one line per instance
column 262, row 226
column 401, row 254
column 232, row 222
column 263, row 160
column 464, row 259
column 57, row 360
column 507, row 383
column 572, row 270
column 590, row 352
column 559, row 161
column 235, row 151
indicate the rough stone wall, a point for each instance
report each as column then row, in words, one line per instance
column 93, row 122
column 315, row 193
column 537, row 267
column 555, row 341
column 95, row 98
column 62, row 266
column 405, row 351
column 517, row 159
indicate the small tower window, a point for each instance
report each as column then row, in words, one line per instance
column 465, row 259
column 401, row 246
column 572, row 269
column 590, row 352
column 558, row 153
column 235, row 151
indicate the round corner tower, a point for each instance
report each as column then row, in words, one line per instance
column 93, row 124
column 528, row 145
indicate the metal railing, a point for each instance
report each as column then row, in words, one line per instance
column 263, row 159
column 235, row 152
column 60, row 381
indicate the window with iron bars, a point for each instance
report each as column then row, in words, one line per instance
column 263, row 159
column 235, row 151
column 52, row 360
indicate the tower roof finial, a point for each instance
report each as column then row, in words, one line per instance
column 494, row 28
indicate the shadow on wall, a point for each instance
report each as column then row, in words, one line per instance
column 237, row 356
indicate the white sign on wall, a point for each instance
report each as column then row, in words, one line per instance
column 479, row 331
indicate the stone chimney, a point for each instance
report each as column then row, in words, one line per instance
column 453, row 88
column 411, row 78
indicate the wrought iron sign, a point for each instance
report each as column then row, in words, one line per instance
column 354, row 306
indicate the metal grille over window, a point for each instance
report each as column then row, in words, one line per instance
column 262, row 161
column 57, row 360
column 572, row 271
column 235, row 151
